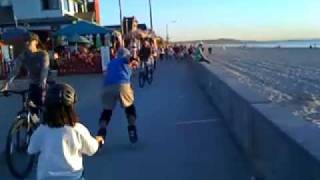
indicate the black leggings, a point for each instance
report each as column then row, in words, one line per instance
column 204, row 60
column 36, row 95
column 130, row 113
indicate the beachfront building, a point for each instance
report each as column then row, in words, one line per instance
column 45, row 16
column 129, row 24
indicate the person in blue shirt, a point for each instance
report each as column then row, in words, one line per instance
column 117, row 87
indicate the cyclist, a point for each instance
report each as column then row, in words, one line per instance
column 145, row 53
column 61, row 140
column 117, row 87
column 36, row 61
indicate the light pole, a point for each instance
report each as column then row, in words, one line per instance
column 120, row 9
column 150, row 8
column 167, row 30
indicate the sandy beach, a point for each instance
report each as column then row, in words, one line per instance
column 289, row 77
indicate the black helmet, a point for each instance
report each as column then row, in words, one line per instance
column 61, row 94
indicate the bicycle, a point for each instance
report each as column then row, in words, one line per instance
column 145, row 74
column 18, row 138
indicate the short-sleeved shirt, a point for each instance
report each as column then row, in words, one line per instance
column 37, row 65
column 118, row 72
column 61, row 151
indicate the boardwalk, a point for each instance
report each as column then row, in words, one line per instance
column 182, row 137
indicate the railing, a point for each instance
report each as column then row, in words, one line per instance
column 79, row 65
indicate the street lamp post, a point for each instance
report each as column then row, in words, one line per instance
column 167, row 30
column 150, row 8
column 120, row 9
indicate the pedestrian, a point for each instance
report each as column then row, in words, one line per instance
column 162, row 53
column 199, row 56
column 117, row 87
column 61, row 141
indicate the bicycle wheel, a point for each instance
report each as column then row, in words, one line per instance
column 19, row 162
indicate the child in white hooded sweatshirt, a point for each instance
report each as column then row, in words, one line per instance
column 62, row 140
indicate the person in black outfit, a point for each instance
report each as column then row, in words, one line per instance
column 145, row 52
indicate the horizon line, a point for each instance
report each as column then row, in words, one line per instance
column 234, row 39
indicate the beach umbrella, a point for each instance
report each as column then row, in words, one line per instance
column 78, row 39
column 13, row 35
column 98, row 41
column 83, row 28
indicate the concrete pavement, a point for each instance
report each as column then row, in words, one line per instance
column 181, row 135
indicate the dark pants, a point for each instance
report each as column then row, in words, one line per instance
column 162, row 56
column 204, row 60
column 130, row 114
column 36, row 95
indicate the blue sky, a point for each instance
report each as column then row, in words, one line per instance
column 212, row 19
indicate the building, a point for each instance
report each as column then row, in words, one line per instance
column 118, row 27
column 45, row 16
column 129, row 24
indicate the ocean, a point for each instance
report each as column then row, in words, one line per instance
column 275, row 44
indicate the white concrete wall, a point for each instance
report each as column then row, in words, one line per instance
column 30, row 9
column 279, row 145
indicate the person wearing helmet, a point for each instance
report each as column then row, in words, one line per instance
column 117, row 87
column 61, row 141
column 36, row 61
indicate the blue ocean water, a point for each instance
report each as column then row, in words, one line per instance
column 277, row 44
